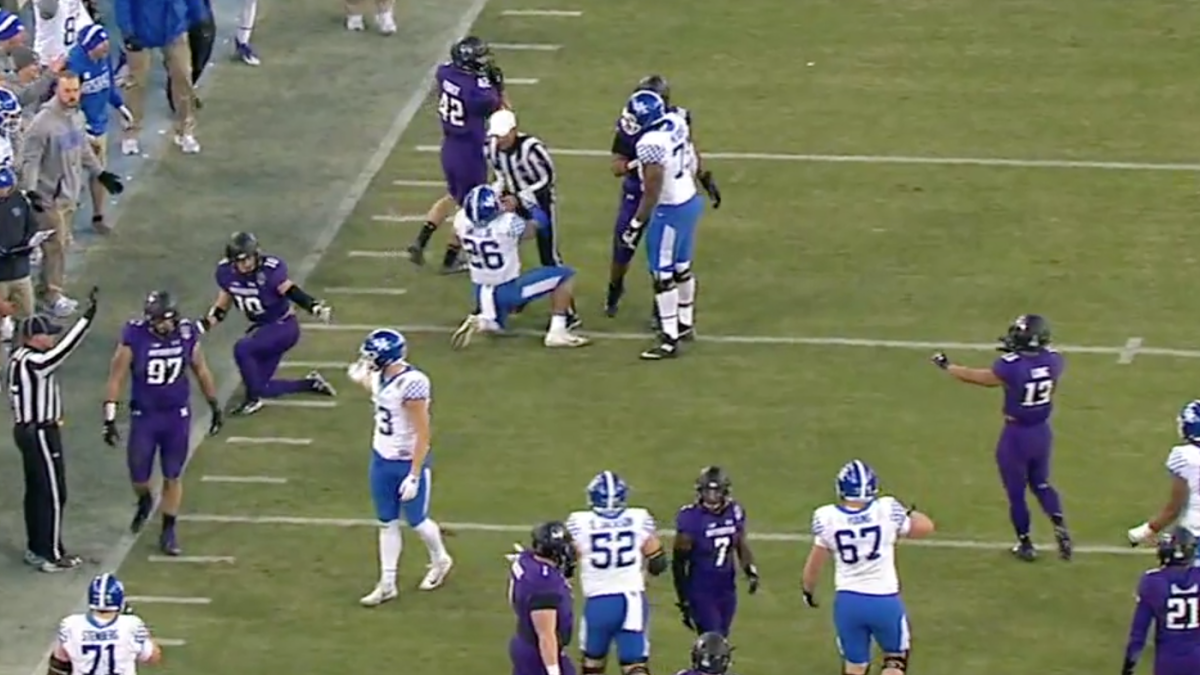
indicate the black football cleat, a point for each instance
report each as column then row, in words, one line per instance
column 1063, row 538
column 168, row 543
column 610, row 309
column 667, row 349
column 248, row 407
column 320, row 385
column 456, row 267
column 416, row 254
column 1024, row 550
column 63, row 564
column 144, row 504
column 687, row 333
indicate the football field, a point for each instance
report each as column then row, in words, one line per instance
column 899, row 177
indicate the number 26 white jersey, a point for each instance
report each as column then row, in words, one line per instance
column 863, row 544
column 54, row 36
column 1184, row 462
column 669, row 145
column 493, row 250
column 114, row 649
column 610, row 550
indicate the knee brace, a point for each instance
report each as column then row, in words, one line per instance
column 683, row 276
column 895, row 662
column 635, row 669
column 664, row 285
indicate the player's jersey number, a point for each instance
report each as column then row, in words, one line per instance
column 1183, row 613
column 383, row 422
column 164, row 371
column 452, row 111
column 249, row 304
column 860, row 545
column 485, row 254
column 1037, row 393
column 721, row 546
column 680, row 152
column 104, row 659
column 613, row 550
column 69, row 31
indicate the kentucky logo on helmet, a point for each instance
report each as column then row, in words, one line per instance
column 856, row 481
column 607, row 493
column 481, row 205
column 384, row 347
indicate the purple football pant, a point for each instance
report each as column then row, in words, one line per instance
column 258, row 355
column 1023, row 457
column 527, row 660
column 713, row 611
column 622, row 254
column 1170, row 664
column 464, row 167
column 163, row 434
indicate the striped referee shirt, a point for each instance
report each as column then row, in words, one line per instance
column 524, row 167
column 33, row 389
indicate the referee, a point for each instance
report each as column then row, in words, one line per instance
column 523, row 166
column 37, row 406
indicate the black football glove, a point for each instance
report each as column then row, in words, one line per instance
column 1128, row 667
column 751, row 578
column 940, row 360
column 685, row 613
column 111, row 182
column 111, row 435
column 494, row 75
column 809, row 599
column 36, row 201
column 710, row 186
column 218, row 418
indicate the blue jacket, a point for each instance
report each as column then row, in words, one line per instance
column 99, row 89
column 156, row 23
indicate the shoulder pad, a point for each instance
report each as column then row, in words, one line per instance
column 137, row 323
column 1009, row 358
column 686, row 507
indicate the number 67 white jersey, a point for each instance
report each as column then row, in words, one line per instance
column 862, row 544
column 112, row 649
column 55, row 35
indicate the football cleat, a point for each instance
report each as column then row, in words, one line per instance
column 168, row 543
column 1024, row 550
column 144, row 504
column 378, row 596
column 661, row 352
column 687, row 333
column 63, row 564
column 248, row 407
column 1063, row 538
column 437, row 573
column 567, row 340
column 320, row 385
column 245, row 53
column 386, row 23
column 355, row 23
column 130, row 146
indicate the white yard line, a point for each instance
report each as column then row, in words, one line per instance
column 170, row 642
column 796, row 340
column 192, row 559
column 542, row 12
column 355, row 290
column 524, row 529
column 524, row 47
column 1132, row 346
column 418, row 183
column 267, row 440
column 259, row 480
column 388, row 218
column 166, row 600
column 522, row 80
column 299, row 403
column 903, row 159
column 377, row 254
column 315, row 364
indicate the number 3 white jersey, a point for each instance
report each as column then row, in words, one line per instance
column 1184, row 462
column 54, row 36
column 670, row 145
column 863, row 544
column 114, row 649
column 494, row 249
column 610, row 550
column 395, row 437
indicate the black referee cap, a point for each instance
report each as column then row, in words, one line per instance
column 38, row 325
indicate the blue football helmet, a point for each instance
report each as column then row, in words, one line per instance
column 10, row 114
column 384, row 347
column 481, row 205
column 1189, row 422
column 606, row 493
column 643, row 110
column 857, row 481
column 106, row 593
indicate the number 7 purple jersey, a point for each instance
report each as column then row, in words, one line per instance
column 1029, row 383
column 256, row 294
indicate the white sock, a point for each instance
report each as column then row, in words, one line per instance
column 390, row 546
column 431, row 534
column 249, row 12
column 687, row 302
column 668, row 312
column 558, row 324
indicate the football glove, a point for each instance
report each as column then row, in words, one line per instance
column 409, row 487
column 218, row 418
column 517, row 551
column 494, row 75
column 809, row 599
column 111, row 182
column 940, row 360
column 111, row 435
column 323, row 312
column 1140, row 534
column 632, row 234
column 685, row 613
column 710, row 186
column 751, row 578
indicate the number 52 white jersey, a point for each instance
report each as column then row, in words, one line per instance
column 54, row 36
column 863, row 544
column 114, row 649
column 610, row 550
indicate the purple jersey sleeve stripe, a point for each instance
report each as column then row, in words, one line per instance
column 649, row 153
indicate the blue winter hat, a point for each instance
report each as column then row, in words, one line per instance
column 93, row 36
column 10, row 25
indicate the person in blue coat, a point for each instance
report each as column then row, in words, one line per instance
column 163, row 25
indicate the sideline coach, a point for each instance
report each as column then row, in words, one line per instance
column 36, row 399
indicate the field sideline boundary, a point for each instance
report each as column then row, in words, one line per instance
column 1125, row 353
column 903, row 159
column 971, row 544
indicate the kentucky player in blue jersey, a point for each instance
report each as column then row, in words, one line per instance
column 400, row 474
column 860, row 532
column 1169, row 597
column 711, row 655
column 626, row 166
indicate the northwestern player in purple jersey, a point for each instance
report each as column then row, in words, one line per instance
column 709, row 534
column 711, row 655
column 540, row 596
column 258, row 285
column 158, row 350
column 470, row 87
column 626, row 166
column 1029, row 372
column 1170, row 598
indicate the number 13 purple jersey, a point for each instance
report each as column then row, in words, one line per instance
column 256, row 294
column 1029, row 383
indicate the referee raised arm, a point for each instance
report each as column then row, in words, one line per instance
column 36, row 399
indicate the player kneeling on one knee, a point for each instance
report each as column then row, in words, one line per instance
column 490, row 231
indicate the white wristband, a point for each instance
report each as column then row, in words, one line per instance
column 110, row 411
column 635, row 224
column 552, row 670
column 633, row 165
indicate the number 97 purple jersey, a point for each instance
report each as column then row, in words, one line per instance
column 1030, row 379
column 160, row 365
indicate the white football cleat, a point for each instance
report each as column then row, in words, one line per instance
column 355, row 22
column 565, row 340
column 436, row 574
column 130, row 146
column 386, row 22
column 187, row 143
column 378, row 596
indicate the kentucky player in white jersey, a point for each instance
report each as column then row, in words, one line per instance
column 1183, row 463
column 56, row 25
column 490, row 232
column 400, row 474
column 104, row 640
column 615, row 543
column 860, row 531
column 673, row 208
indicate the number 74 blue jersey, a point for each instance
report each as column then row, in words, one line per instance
column 862, row 543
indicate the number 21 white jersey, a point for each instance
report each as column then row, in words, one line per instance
column 610, row 550
column 54, row 36
column 1184, row 462
column 395, row 437
column 669, row 145
column 493, row 250
column 113, row 649
column 863, row 544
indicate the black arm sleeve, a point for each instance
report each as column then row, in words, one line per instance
column 681, row 574
column 544, row 601
column 298, row 296
column 623, row 145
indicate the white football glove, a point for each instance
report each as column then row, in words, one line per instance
column 1140, row 534
column 527, row 199
column 360, row 371
column 408, row 487
column 632, row 233
column 323, row 312
column 517, row 551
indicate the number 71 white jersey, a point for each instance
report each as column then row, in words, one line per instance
column 610, row 550
column 863, row 544
column 115, row 649
column 54, row 36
